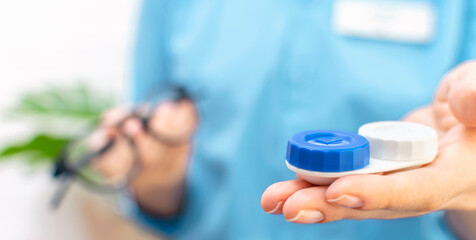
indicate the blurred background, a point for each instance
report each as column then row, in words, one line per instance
column 61, row 62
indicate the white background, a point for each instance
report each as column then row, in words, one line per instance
column 55, row 41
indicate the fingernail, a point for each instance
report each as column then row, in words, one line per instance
column 307, row 216
column 347, row 201
column 277, row 208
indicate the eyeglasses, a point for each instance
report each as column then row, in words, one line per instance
column 76, row 160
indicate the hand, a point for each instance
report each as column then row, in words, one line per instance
column 445, row 184
column 158, row 185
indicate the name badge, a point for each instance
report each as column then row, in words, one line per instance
column 411, row 22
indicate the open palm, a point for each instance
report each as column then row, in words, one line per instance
column 447, row 183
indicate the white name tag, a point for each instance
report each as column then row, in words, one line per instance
column 412, row 22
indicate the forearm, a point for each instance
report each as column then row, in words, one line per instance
column 159, row 189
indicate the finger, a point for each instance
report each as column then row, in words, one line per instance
column 309, row 205
column 462, row 100
column 100, row 137
column 134, row 129
column 148, row 148
column 453, row 76
column 275, row 195
column 458, row 89
column 463, row 136
column 437, row 116
column 114, row 163
column 422, row 115
column 153, row 154
column 421, row 189
column 113, row 116
column 443, row 116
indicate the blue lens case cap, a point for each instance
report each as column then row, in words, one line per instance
column 328, row 151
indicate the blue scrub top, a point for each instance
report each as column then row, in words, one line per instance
column 269, row 68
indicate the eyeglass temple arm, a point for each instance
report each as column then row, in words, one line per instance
column 66, row 173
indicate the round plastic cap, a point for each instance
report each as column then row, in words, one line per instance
column 328, row 151
column 400, row 141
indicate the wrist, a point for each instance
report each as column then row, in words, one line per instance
column 161, row 200
column 159, row 187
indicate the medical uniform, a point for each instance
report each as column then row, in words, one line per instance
column 265, row 69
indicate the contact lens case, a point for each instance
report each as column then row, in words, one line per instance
column 321, row 156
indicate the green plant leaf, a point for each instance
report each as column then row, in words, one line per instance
column 78, row 101
column 38, row 149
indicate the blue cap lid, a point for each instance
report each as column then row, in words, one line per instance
column 328, row 151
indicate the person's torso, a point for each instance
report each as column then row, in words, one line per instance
column 267, row 69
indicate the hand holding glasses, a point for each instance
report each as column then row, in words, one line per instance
column 79, row 161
